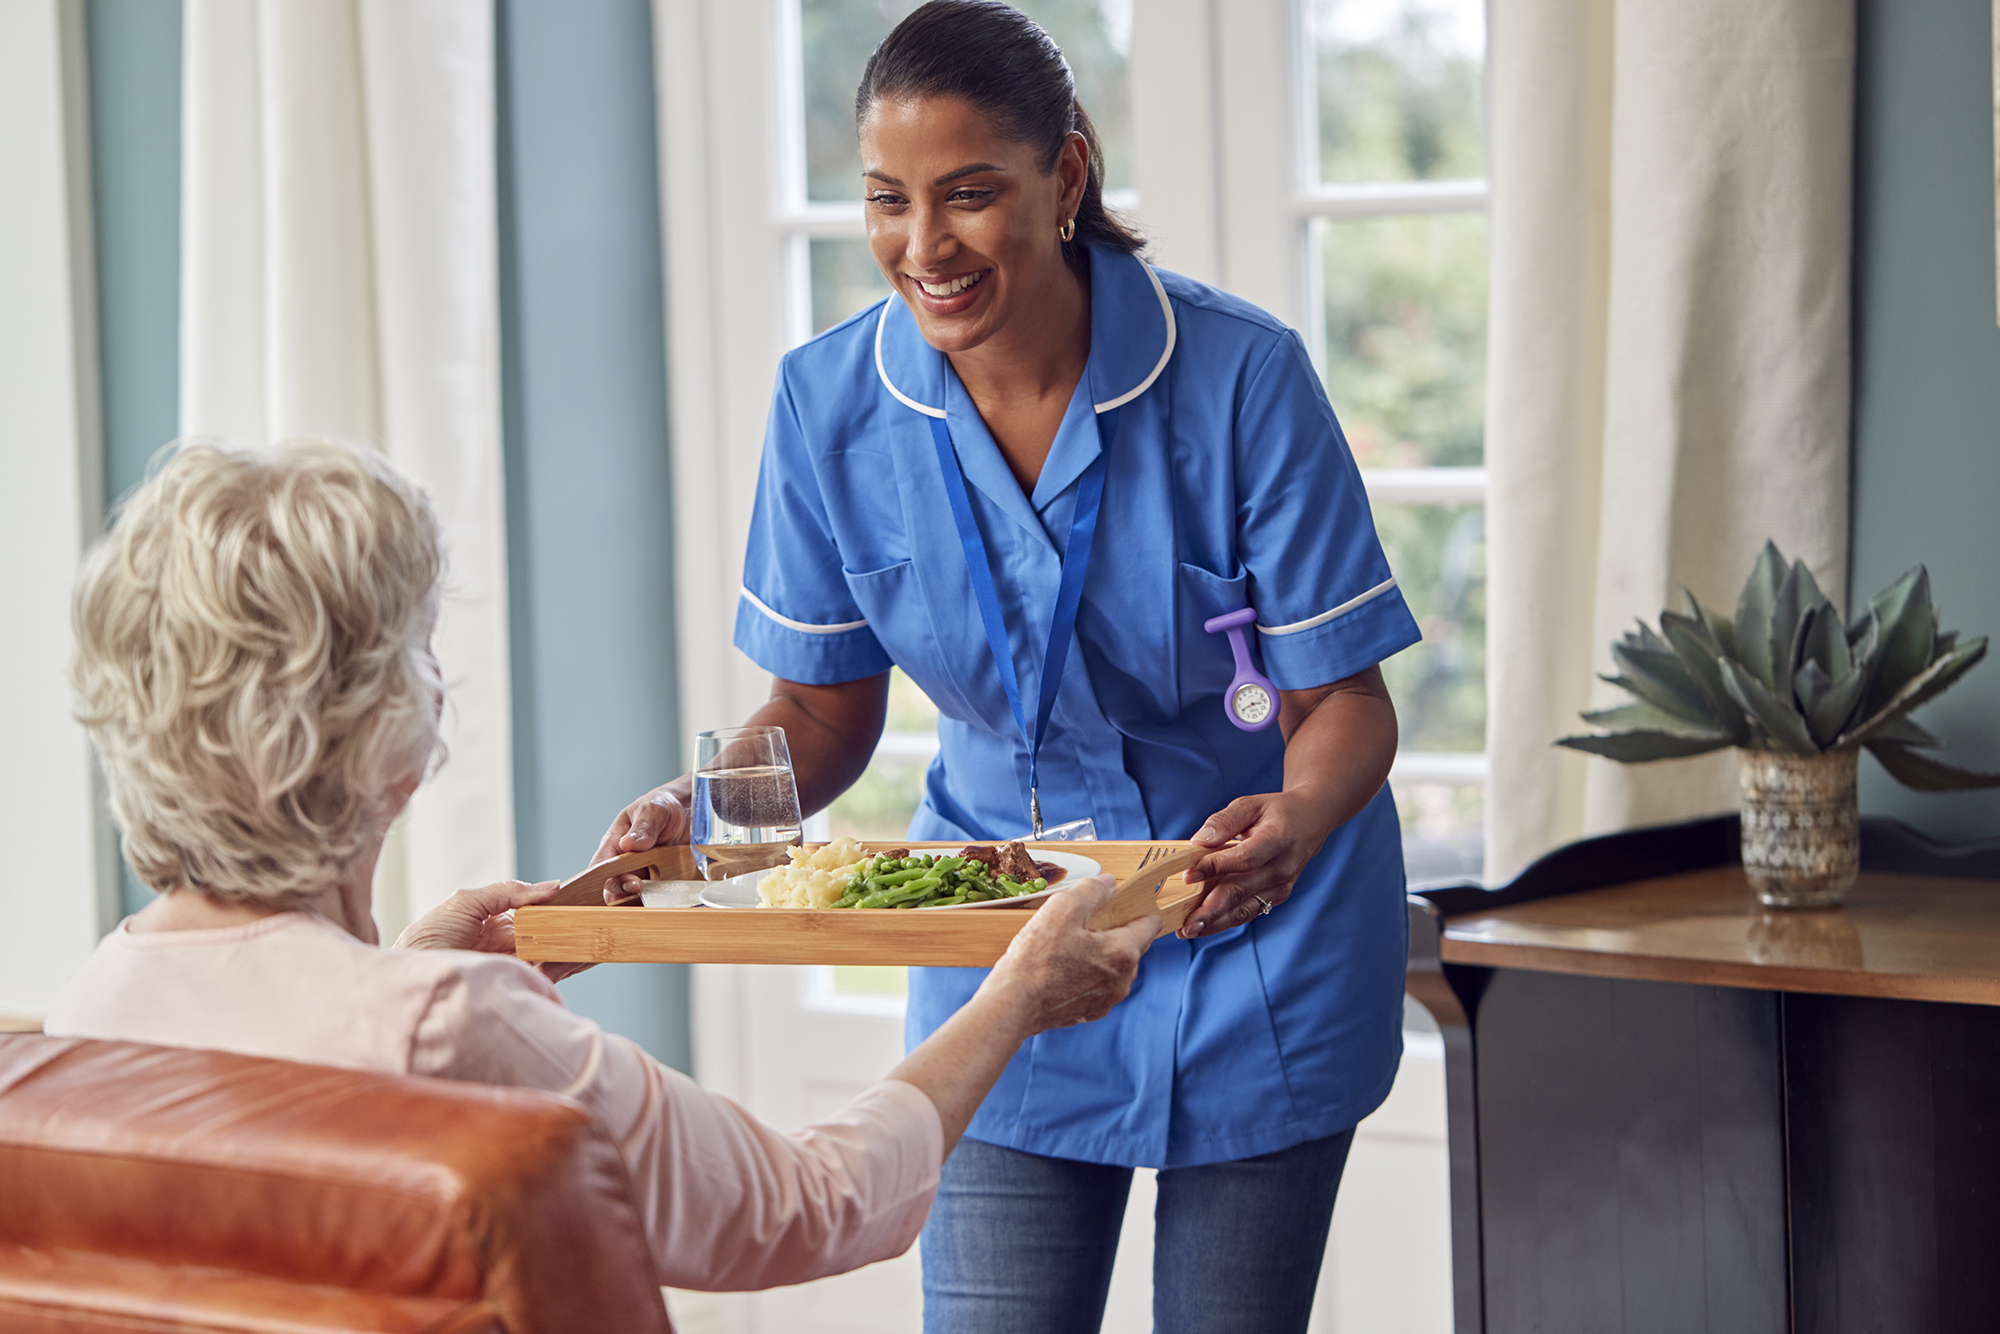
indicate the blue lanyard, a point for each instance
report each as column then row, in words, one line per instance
column 1069, row 595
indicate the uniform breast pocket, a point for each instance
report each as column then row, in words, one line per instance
column 899, row 612
column 1205, row 665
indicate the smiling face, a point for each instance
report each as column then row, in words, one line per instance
column 964, row 223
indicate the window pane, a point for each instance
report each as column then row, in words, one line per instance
column 1398, row 88
column 885, row 797
column 1405, row 335
column 1443, row 829
column 845, row 282
column 837, row 36
column 870, row 980
column 1438, row 554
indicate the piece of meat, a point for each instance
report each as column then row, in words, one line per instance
column 1014, row 861
column 981, row 853
column 894, row 854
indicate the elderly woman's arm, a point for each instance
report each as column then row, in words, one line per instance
column 729, row 1203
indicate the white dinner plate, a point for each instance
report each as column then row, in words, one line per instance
column 741, row 892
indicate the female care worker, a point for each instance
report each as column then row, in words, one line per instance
column 1028, row 479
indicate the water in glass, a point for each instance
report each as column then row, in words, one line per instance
column 746, row 804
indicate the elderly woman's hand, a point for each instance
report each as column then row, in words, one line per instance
column 1056, row 972
column 483, row 920
column 1065, row 972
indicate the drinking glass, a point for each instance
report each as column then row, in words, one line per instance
column 746, row 805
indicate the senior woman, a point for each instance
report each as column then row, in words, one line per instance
column 253, row 665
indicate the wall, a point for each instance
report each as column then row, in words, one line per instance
column 590, row 530
column 135, row 159
column 1927, row 363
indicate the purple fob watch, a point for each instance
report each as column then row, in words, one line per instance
column 1252, row 701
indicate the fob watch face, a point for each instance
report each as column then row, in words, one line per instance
column 1251, row 703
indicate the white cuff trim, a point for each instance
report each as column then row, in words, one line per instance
column 1324, row 616
column 800, row 626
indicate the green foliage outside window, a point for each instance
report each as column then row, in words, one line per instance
column 837, row 36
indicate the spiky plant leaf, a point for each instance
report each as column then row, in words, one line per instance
column 1779, row 720
column 1717, row 626
column 1646, row 640
column 1809, row 685
column 1641, row 716
column 1833, row 710
column 1753, row 611
column 1657, row 677
column 1638, row 747
column 1895, row 594
column 1826, row 642
column 1697, row 656
column 1944, row 643
column 1905, row 732
column 1920, row 690
column 1908, row 636
column 1798, row 597
column 1925, row 774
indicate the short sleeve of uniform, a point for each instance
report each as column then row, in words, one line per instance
column 796, row 618
column 1327, row 603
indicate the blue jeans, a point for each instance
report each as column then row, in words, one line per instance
column 1018, row 1242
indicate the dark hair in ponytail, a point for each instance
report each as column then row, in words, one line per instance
column 999, row 61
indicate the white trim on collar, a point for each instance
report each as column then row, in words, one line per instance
column 1166, row 353
column 883, row 371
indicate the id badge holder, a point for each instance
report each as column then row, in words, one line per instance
column 1251, row 701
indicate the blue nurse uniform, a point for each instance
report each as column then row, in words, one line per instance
column 1229, row 484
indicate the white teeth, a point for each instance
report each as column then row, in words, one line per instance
column 951, row 287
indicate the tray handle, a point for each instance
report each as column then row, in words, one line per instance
column 1135, row 895
column 585, row 889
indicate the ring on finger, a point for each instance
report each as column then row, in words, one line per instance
column 1268, row 905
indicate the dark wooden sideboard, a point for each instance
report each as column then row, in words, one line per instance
column 1671, row 1110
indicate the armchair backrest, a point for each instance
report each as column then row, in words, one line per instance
column 160, row 1187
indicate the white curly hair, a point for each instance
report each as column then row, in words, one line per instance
column 253, row 663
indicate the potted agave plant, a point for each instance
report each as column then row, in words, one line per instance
column 1800, row 694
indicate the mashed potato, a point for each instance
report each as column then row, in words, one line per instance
column 814, row 879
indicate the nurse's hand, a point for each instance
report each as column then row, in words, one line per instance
column 1280, row 833
column 656, row 819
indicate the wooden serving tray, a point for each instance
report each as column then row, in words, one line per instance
column 577, row 930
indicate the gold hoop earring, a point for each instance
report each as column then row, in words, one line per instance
column 1068, row 230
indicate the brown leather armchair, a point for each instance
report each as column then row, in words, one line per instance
column 155, row 1188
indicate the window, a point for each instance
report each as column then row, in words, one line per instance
column 1392, row 207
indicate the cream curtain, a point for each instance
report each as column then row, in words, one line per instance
column 1668, row 377
column 340, row 277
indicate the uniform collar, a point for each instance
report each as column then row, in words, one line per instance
column 1132, row 338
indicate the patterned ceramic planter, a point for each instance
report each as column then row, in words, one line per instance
column 1801, row 827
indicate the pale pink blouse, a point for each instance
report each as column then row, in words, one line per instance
column 729, row 1204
